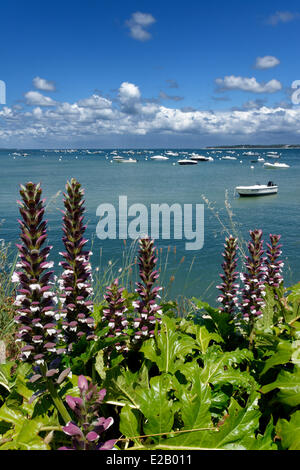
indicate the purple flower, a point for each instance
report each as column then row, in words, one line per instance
column 147, row 307
column 114, row 315
column 86, row 432
column 254, row 279
column 274, row 264
column 75, row 282
column 229, row 286
column 34, row 299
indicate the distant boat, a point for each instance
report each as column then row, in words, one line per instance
column 257, row 189
column 228, row 158
column 130, row 160
column 159, row 157
column 200, row 158
column 273, row 155
column 186, row 161
column 274, row 166
column 172, row 154
column 118, row 158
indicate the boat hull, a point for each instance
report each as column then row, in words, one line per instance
column 248, row 192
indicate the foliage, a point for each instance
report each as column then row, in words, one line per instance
column 206, row 381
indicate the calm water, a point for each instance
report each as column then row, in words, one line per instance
column 162, row 182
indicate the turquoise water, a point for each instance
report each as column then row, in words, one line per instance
column 162, row 182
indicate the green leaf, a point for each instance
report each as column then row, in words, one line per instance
column 130, row 423
column 121, row 387
column 221, row 368
column 289, row 387
column 170, row 347
column 281, row 356
column 203, row 338
column 267, row 319
column 156, row 407
column 194, row 403
column 289, row 432
column 238, row 423
column 11, row 414
column 99, row 364
column 26, row 437
column 5, row 377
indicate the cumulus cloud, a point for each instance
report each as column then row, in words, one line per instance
column 95, row 101
column 34, row 98
column 129, row 96
column 251, row 85
column 266, row 62
column 138, row 25
column 43, row 84
column 95, row 119
column 282, row 17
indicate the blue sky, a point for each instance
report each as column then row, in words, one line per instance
column 148, row 74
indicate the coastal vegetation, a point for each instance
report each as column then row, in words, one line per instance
column 88, row 368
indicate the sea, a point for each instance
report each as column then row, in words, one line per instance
column 191, row 273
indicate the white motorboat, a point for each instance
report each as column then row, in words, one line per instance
column 118, row 158
column 199, row 158
column 172, row 154
column 273, row 155
column 228, row 158
column 274, row 166
column 130, row 160
column 159, row 158
column 258, row 189
column 186, row 161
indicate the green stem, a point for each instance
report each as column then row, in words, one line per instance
column 58, row 401
column 55, row 397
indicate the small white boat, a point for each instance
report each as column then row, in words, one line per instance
column 130, row 160
column 228, row 158
column 186, row 161
column 199, row 158
column 257, row 189
column 274, row 166
column 118, row 158
column 159, row 158
column 172, row 154
column 273, row 155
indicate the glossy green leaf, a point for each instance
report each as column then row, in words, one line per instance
column 170, row 347
column 156, row 407
column 288, row 384
column 289, row 432
column 130, row 423
column 281, row 356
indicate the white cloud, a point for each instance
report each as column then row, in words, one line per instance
column 282, row 17
column 266, row 62
column 251, row 85
column 34, row 98
column 95, row 101
column 43, row 84
column 138, row 24
column 95, row 118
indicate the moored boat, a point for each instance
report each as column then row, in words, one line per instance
column 257, row 189
column 186, row 161
column 274, row 166
column 159, row 158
